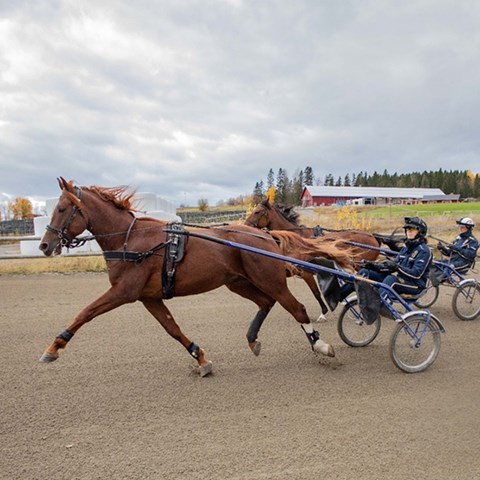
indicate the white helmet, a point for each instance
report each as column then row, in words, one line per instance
column 466, row 222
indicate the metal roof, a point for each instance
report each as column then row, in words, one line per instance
column 386, row 192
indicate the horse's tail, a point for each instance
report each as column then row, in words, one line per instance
column 293, row 245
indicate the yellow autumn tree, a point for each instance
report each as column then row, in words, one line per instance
column 271, row 195
column 347, row 219
column 21, row 208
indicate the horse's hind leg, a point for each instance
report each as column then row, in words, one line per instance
column 158, row 309
column 276, row 287
column 265, row 303
column 309, row 279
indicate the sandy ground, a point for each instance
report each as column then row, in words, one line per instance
column 124, row 401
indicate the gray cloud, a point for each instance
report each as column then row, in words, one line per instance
column 199, row 99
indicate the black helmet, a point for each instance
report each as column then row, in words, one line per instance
column 466, row 222
column 417, row 223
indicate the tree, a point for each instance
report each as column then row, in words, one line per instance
column 258, row 192
column 328, row 180
column 308, row 177
column 476, row 186
column 296, row 190
column 282, row 186
column 270, row 179
column 203, row 204
column 21, row 208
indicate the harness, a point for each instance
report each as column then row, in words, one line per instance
column 128, row 255
column 174, row 251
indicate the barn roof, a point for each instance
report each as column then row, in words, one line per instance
column 362, row 192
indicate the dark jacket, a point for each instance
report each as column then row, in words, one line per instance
column 462, row 252
column 414, row 260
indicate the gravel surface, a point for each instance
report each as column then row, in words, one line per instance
column 125, row 401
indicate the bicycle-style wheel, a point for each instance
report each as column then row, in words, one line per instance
column 429, row 296
column 353, row 329
column 415, row 343
column 466, row 300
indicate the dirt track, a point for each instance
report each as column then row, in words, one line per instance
column 124, row 400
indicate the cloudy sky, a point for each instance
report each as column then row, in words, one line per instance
column 198, row 99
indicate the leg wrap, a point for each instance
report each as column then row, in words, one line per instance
column 194, row 350
column 255, row 325
column 65, row 335
column 313, row 337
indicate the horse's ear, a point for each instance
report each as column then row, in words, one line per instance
column 62, row 183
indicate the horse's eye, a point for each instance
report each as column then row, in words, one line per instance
column 61, row 209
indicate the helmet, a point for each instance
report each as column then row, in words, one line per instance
column 417, row 223
column 466, row 222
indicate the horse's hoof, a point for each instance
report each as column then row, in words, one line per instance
column 255, row 347
column 321, row 318
column 324, row 349
column 206, row 369
column 47, row 358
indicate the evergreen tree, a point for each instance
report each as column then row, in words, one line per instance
column 297, row 189
column 270, row 179
column 258, row 192
column 308, row 176
column 281, row 186
column 476, row 186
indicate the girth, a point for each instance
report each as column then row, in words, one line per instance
column 174, row 251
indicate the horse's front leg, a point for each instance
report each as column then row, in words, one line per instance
column 158, row 309
column 106, row 302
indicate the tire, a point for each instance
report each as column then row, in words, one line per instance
column 466, row 300
column 429, row 297
column 352, row 328
column 406, row 353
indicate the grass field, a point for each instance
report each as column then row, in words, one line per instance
column 428, row 210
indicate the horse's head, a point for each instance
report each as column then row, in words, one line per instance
column 67, row 220
column 259, row 218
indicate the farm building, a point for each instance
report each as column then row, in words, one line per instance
column 319, row 196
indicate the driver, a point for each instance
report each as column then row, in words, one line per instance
column 462, row 252
column 408, row 271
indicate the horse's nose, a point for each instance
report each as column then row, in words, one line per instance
column 43, row 247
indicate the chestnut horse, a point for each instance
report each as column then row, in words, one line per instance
column 135, row 252
column 276, row 217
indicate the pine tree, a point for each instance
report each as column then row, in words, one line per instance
column 281, row 186
column 308, row 176
column 270, row 179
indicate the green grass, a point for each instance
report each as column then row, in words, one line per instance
column 427, row 210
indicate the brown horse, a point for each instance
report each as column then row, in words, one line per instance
column 136, row 253
column 277, row 217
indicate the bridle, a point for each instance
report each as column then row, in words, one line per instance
column 258, row 215
column 62, row 233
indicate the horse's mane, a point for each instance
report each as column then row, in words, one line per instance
column 287, row 212
column 121, row 197
column 293, row 245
